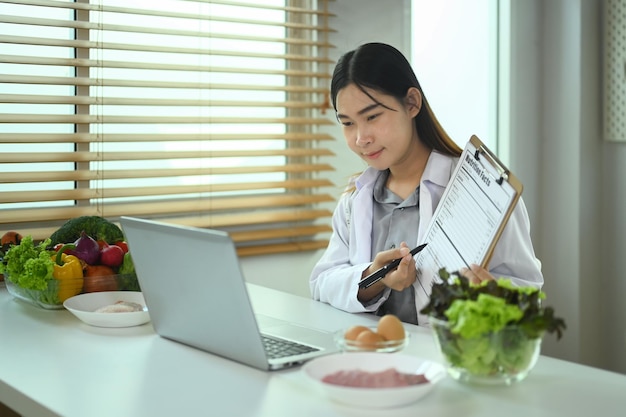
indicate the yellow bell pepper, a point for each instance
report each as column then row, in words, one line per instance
column 69, row 272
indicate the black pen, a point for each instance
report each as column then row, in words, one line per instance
column 380, row 274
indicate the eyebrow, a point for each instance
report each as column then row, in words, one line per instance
column 362, row 111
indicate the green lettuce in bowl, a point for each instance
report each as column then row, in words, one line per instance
column 489, row 332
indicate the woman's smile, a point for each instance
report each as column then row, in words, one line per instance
column 372, row 155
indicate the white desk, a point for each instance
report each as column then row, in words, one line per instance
column 51, row 364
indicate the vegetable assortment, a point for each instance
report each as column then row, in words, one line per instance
column 50, row 272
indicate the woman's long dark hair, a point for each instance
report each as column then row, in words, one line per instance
column 383, row 68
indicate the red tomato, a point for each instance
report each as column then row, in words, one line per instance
column 122, row 245
column 58, row 246
column 102, row 244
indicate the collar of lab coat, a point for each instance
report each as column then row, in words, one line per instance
column 437, row 173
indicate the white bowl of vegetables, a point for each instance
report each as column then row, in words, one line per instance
column 489, row 333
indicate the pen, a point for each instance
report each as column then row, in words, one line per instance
column 380, row 274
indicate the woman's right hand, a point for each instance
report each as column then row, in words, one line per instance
column 402, row 277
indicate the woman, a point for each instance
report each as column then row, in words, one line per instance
column 387, row 122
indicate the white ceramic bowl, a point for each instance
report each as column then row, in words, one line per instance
column 318, row 368
column 84, row 307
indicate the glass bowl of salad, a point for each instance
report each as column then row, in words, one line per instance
column 504, row 357
column 491, row 332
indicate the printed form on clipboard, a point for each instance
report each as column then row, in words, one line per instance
column 471, row 215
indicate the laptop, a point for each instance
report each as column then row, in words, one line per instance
column 196, row 294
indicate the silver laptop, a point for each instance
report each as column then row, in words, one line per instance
column 196, row 294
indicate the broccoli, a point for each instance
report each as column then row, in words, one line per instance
column 96, row 227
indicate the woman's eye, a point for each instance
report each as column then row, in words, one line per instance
column 346, row 124
column 372, row 117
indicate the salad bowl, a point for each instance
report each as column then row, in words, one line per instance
column 502, row 357
column 491, row 332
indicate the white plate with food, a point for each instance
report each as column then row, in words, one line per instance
column 109, row 308
column 374, row 379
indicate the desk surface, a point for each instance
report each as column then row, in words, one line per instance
column 51, row 364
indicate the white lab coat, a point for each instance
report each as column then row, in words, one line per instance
column 334, row 279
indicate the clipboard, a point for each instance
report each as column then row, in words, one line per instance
column 471, row 214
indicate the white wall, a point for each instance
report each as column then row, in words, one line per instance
column 461, row 87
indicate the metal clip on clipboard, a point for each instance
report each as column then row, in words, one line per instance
column 499, row 166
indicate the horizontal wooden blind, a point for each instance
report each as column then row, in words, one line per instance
column 203, row 113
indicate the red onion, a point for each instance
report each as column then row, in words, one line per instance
column 87, row 249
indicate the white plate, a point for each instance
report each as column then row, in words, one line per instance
column 84, row 306
column 318, row 368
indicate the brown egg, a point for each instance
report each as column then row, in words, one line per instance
column 390, row 327
column 368, row 339
column 353, row 332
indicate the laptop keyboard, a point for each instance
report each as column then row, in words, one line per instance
column 279, row 348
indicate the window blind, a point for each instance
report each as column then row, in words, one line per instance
column 204, row 113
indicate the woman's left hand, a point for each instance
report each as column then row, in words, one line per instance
column 476, row 274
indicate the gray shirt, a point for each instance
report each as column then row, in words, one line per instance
column 395, row 221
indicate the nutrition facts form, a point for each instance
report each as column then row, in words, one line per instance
column 471, row 214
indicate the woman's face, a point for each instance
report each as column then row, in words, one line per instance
column 380, row 131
